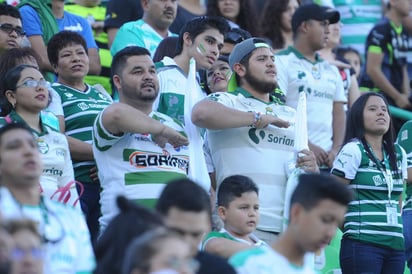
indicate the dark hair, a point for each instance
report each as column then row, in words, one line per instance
column 61, row 40
column 246, row 58
column 9, row 10
column 15, row 225
column 120, row 58
column 355, row 128
column 246, row 19
column 13, row 126
column 167, row 47
column 9, row 82
column 342, row 50
column 184, row 194
column 8, row 60
column 143, row 248
column 313, row 188
column 199, row 25
column 271, row 22
column 132, row 221
column 233, row 187
column 203, row 74
column 237, row 35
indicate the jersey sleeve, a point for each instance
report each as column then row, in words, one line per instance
column 405, row 141
column 347, row 161
column 340, row 91
column 126, row 37
column 377, row 39
column 223, row 98
column 55, row 105
column 282, row 72
column 102, row 138
column 30, row 21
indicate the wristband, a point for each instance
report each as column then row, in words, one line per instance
column 257, row 118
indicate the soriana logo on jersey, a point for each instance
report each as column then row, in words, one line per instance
column 164, row 160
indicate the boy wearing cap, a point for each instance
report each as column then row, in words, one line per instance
column 317, row 208
column 301, row 69
column 250, row 133
column 386, row 51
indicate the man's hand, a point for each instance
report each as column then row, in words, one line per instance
column 402, row 101
column 307, row 161
column 321, row 155
column 267, row 119
column 171, row 136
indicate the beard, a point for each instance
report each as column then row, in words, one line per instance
column 259, row 85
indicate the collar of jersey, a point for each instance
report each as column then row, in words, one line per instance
column 318, row 59
column 246, row 94
column 16, row 117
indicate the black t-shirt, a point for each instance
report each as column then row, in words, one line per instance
column 212, row 264
column 119, row 12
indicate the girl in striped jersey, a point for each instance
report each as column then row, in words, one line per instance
column 375, row 168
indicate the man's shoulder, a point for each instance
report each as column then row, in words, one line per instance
column 212, row 264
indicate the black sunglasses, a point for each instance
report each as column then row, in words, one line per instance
column 8, row 28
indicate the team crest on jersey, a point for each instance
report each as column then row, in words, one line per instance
column 316, row 72
column 43, row 146
column 83, row 106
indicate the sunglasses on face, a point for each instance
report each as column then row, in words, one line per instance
column 9, row 28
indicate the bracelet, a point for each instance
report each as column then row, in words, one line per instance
column 257, row 118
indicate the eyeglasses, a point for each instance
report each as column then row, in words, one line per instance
column 34, row 84
column 8, row 28
column 18, row 253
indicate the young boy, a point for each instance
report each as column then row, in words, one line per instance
column 238, row 208
column 318, row 206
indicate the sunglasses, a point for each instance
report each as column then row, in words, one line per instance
column 9, row 28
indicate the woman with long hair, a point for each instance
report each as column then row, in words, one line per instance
column 275, row 23
column 239, row 13
column 375, row 168
column 25, row 95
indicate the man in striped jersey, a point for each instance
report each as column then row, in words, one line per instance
column 137, row 150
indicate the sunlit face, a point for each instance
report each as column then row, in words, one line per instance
column 354, row 61
column 287, row 15
column 191, row 225
column 317, row 34
column 138, row 80
column 315, row 228
column 229, row 8
column 173, row 254
column 205, row 48
column 161, row 13
column 403, row 7
column 334, row 35
column 20, row 160
column 261, row 73
column 27, row 98
column 376, row 118
column 27, row 254
column 73, row 64
column 242, row 214
column 218, row 76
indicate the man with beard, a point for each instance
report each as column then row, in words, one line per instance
column 149, row 31
column 252, row 135
column 137, row 150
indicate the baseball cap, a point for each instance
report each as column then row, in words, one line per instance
column 239, row 52
column 313, row 12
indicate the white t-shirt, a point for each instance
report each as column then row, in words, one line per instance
column 323, row 86
column 264, row 260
